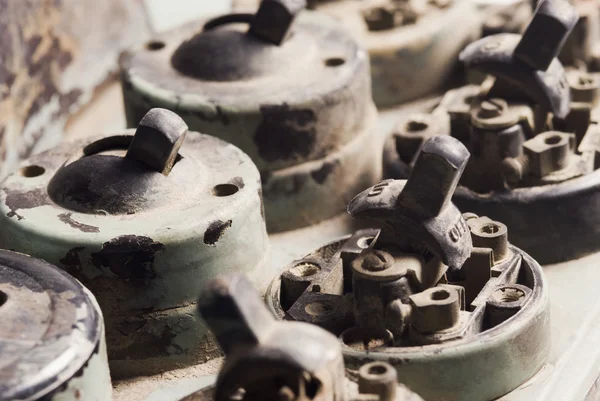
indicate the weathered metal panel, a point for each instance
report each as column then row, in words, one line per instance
column 55, row 54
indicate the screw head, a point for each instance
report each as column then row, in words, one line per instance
column 492, row 108
column 375, row 261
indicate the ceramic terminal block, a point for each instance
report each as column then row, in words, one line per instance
column 549, row 152
column 411, row 134
column 299, row 277
column 546, row 34
column 274, row 18
column 585, row 87
column 157, row 140
column 376, row 277
column 505, row 302
column 457, row 104
column 493, row 114
column 378, row 378
column 487, row 233
column 435, row 309
column 325, row 310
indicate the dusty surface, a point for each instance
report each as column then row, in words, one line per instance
column 571, row 374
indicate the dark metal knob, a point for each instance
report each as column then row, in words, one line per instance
column 421, row 209
column 157, row 140
column 274, row 18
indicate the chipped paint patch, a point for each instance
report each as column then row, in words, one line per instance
column 215, row 231
column 67, row 219
column 321, row 174
column 285, row 133
column 129, row 257
column 16, row 199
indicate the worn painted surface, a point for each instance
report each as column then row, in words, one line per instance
column 55, row 54
column 52, row 337
column 449, row 357
column 410, row 60
column 302, row 111
column 147, row 262
column 258, row 96
column 570, row 373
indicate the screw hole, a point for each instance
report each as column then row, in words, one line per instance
column 305, row 269
column 154, row 45
column 3, row 298
column 319, row 308
column 440, row 295
column 416, row 125
column 490, row 228
column 225, row 190
column 334, row 62
column 508, row 294
column 553, row 140
column 585, row 80
column 378, row 369
column 32, row 171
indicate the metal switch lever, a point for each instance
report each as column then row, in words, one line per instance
column 421, row 208
column 274, row 19
column 268, row 358
column 529, row 62
column 157, row 140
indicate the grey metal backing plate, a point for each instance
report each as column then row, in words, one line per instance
column 573, row 371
